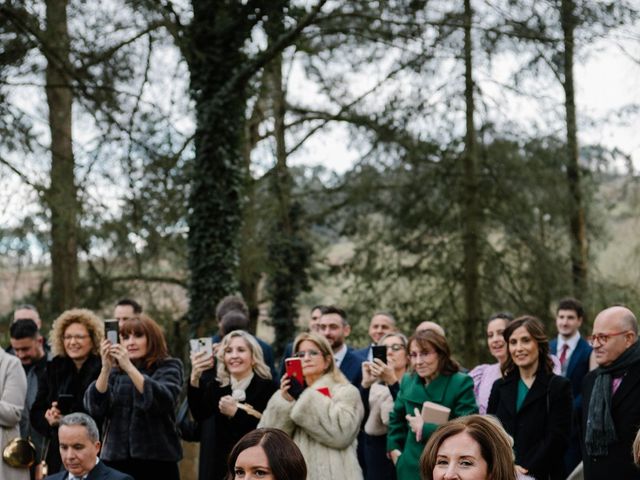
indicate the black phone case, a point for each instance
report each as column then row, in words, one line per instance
column 379, row 351
column 296, row 388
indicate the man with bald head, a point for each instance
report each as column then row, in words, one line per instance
column 433, row 326
column 611, row 397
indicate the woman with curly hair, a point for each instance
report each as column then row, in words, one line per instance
column 75, row 342
column 136, row 393
column 235, row 392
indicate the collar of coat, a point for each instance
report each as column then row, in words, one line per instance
column 435, row 390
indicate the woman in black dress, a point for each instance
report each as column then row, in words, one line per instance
column 533, row 404
column 75, row 341
column 235, row 392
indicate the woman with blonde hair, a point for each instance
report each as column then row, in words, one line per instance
column 325, row 418
column 235, row 393
column 75, row 343
column 137, row 392
column 474, row 446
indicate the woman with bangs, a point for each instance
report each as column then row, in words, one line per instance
column 533, row 404
column 435, row 378
column 75, row 343
column 136, row 392
column 235, row 392
column 325, row 418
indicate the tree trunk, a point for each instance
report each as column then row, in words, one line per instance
column 218, row 34
column 471, row 210
column 577, row 221
column 61, row 197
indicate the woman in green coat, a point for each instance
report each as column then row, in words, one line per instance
column 435, row 378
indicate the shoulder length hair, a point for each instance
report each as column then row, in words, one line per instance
column 156, row 344
column 494, row 442
column 325, row 350
column 257, row 357
column 85, row 317
column 426, row 339
column 535, row 328
column 285, row 459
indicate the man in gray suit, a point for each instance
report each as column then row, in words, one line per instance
column 79, row 447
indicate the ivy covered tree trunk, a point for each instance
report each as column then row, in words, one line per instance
column 217, row 36
column 577, row 220
column 470, row 207
column 61, row 196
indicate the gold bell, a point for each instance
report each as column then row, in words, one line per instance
column 19, row 453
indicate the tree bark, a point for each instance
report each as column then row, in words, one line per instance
column 577, row 220
column 61, row 196
column 471, row 210
column 217, row 35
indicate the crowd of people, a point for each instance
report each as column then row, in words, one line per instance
column 99, row 406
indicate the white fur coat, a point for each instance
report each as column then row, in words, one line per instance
column 325, row 429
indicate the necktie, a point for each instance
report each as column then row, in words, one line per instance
column 563, row 354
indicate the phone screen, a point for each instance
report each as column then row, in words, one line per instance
column 379, row 351
column 111, row 330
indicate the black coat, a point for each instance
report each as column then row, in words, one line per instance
column 625, row 410
column 540, row 429
column 203, row 403
column 140, row 425
column 61, row 376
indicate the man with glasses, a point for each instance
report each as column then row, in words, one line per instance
column 611, row 397
column 574, row 353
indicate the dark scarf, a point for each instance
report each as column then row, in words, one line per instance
column 601, row 431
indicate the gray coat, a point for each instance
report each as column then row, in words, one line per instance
column 140, row 425
column 13, row 391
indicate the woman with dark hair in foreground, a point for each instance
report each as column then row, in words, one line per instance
column 266, row 454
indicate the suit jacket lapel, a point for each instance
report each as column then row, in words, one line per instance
column 576, row 356
column 509, row 394
column 538, row 389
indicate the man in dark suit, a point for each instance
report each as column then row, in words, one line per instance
column 79, row 447
column 611, row 397
column 574, row 353
column 334, row 327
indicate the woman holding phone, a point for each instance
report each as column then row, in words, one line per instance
column 435, row 378
column 136, row 392
column 323, row 419
column 75, row 343
column 235, row 393
column 380, row 386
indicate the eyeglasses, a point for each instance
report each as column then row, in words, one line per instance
column 79, row 338
column 603, row 338
column 415, row 355
column 395, row 347
column 311, row 353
